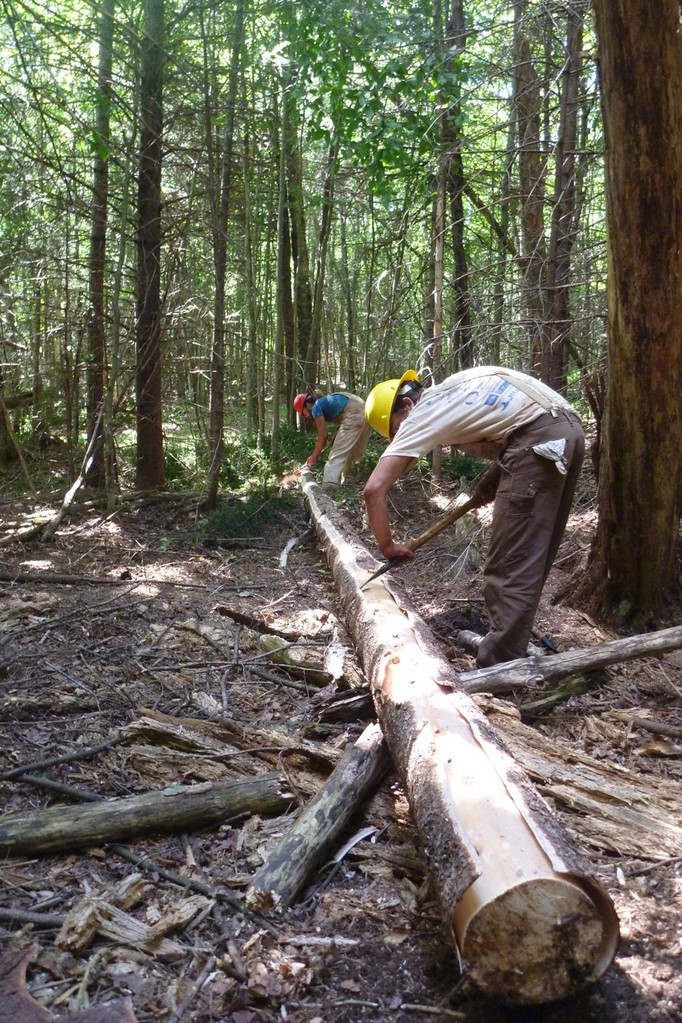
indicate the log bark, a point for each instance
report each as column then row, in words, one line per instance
column 529, row 671
column 177, row 808
column 288, row 866
column 529, row 922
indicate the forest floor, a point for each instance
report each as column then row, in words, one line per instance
column 159, row 638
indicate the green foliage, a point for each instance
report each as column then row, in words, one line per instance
column 466, row 465
column 294, row 446
column 245, row 463
column 247, row 514
column 179, row 474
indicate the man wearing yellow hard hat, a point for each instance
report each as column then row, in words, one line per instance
column 535, row 439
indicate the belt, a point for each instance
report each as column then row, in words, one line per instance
column 570, row 415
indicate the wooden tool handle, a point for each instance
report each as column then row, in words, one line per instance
column 442, row 524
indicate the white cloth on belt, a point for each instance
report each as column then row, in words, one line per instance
column 554, row 451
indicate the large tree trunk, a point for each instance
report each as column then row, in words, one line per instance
column 150, row 466
column 632, row 566
column 528, row 920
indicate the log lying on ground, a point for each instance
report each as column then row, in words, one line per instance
column 530, row 671
column 177, row 808
column 530, row 923
column 290, row 863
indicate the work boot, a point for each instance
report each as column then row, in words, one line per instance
column 469, row 640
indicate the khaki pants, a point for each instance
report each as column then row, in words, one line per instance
column 350, row 441
column 531, row 509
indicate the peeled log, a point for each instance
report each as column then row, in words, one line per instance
column 529, row 922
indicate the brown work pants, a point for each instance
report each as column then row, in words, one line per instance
column 531, row 509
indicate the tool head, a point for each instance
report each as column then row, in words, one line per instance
column 387, row 565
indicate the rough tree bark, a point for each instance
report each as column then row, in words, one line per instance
column 150, row 465
column 291, row 861
column 176, row 808
column 95, row 474
column 220, row 221
column 562, row 230
column 632, row 566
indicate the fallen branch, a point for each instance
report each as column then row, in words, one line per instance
column 288, row 866
column 530, row 671
column 647, row 724
column 255, row 624
column 176, row 808
column 58, row 579
column 68, row 758
column 23, row 916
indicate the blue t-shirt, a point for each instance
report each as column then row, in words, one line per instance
column 330, row 406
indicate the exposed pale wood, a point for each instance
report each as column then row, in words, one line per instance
column 530, row 671
column 290, row 863
column 176, row 808
column 501, row 861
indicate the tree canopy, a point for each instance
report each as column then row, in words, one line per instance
column 334, row 193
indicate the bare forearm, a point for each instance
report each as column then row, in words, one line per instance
column 379, row 521
column 380, row 482
column 321, row 440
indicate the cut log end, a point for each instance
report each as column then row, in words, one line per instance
column 543, row 940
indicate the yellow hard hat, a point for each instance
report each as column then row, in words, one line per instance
column 379, row 404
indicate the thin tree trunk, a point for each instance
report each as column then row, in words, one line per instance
column 455, row 182
column 217, row 398
column 562, row 235
column 299, row 243
column 150, row 464
column 95, row 384
column 284, row 299
column 531, row 187
column 313, row 352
